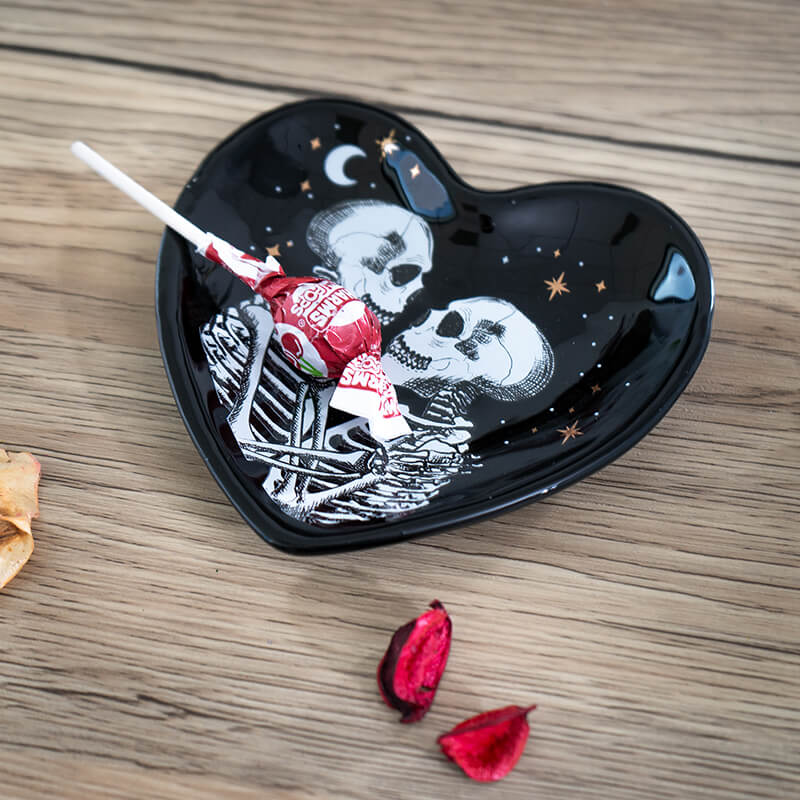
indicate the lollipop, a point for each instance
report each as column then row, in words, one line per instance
column 323, row 330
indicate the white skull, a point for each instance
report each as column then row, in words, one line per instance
column 484, row 342
column 377, row 251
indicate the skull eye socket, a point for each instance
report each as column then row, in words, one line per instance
column 419, row 320
column 452, row 325
column 404, row 273
column 372, row 264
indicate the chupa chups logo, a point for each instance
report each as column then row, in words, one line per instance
column 533, row 335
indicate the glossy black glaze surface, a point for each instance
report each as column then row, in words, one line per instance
column 627, row 334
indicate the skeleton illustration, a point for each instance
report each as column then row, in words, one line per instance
column 481, row 345
column 378, row 251
column 326, row 473
column 320, row 473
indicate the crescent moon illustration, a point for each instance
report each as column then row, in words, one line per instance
column 336, row 160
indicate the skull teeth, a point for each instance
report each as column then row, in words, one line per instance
column 409, row 358
column 384, row 316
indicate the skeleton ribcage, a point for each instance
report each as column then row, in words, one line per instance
column 348, row 477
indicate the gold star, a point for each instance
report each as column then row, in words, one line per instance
column 315, row 143
column 534, row 430
column 274, row 251
column 570, row 432
column 556, row 253
column 388, row 144
column 557, row 286
column 414, row 171
column 596, row 388
column 601, row 287
column 305, row 186
column 290, row 243
column 571, row 411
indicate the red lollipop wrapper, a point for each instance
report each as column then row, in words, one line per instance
column 324, row 331
column 365, row 390
column 247, row 268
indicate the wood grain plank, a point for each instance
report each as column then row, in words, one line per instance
column 712, row 76
column 154, row 647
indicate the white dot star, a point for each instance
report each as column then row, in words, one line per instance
column 336, row 126
column 504, row 259
column 594, row 344
column 372, row 185
column 538, row 249
column 310, row 195
column 552, row 409
column 627, row 383
column 580, row 263
column 599, row 366
column 505, row 441
column 278, row 189
column 252, row 247
column 583, row 316
column 611, row 316
column 268, row 229
column 597, row 413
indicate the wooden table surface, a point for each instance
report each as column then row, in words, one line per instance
column 155, row 647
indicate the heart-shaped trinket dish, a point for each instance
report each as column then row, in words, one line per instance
column 533, row 335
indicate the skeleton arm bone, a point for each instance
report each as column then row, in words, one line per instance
column 352, row 462
column 260, row 324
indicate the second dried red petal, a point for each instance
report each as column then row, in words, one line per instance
column 488, row 746
column 412, row 666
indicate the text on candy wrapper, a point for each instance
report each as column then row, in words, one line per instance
column 319, row 303
column 368, row 375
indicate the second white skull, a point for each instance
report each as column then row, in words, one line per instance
column 481, row 341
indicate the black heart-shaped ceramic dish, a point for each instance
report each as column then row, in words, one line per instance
column 533, row 335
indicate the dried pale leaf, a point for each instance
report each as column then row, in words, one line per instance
column 15, row 549
column 19, row 489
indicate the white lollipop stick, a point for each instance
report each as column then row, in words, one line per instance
column 243, row 265
column 167, row 215
column 356, row 392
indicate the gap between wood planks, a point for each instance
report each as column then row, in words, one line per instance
column 215, row 77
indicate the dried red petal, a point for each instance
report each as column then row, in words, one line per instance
column 412, row 666
column 488, row 746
